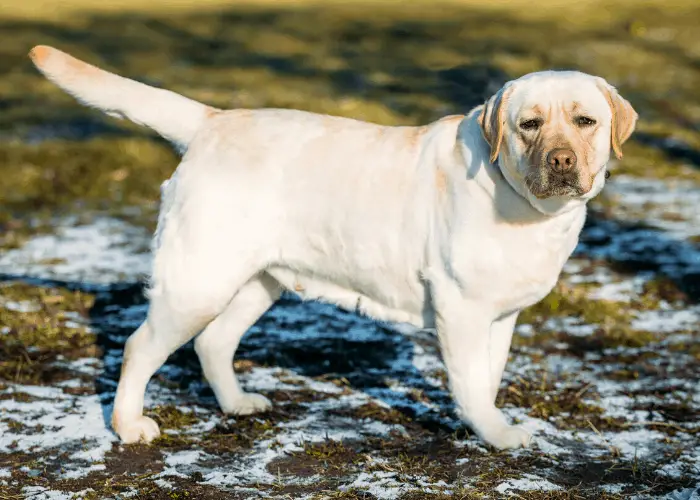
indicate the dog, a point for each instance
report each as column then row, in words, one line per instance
column 456, row 225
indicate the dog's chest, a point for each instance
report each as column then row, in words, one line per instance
column 516, row 266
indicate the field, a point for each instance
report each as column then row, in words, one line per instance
column 605, row 371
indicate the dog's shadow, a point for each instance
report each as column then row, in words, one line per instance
column 320, row 342
column 307, row 338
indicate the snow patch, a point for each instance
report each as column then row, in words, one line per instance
column 382, row 485
column 104, row 251
column 183, row 458
column 529, row 482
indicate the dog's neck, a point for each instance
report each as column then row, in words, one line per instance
column 514, row 202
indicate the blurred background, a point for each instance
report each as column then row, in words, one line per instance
column 608, row 362
column 390, row 62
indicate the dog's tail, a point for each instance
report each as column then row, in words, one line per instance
column 173, row 116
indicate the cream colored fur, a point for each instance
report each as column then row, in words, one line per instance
column 408, row 224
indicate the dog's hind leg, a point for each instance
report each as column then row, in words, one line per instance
column 163, row 332
column 192, row 285
column 171, row 322
column 217, row 344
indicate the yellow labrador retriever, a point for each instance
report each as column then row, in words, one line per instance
column 456, row 225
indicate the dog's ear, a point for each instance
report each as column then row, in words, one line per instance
column 624, row 117
column 493, row 119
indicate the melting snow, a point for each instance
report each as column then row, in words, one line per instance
column 104, row 251
column 528, row 482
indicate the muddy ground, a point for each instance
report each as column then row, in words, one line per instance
column 604, row 371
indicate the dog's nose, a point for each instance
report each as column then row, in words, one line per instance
column 561, row 160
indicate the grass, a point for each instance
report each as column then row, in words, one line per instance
column 566, row 301
column 373, row 411
column 37, row 333
column 568, row 406
column 169, row 417
column 327, row 458
column 610, row 318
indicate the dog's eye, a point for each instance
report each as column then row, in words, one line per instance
column 584, row 121
column 533, row 124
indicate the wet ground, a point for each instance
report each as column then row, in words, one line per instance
column 604, row 371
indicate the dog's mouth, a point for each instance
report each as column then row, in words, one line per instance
column 544, row 184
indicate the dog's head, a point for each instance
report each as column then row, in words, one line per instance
column 552, row 133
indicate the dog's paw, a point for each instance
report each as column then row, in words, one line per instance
column 142, row 429
column 509, row 437
column 248, row 403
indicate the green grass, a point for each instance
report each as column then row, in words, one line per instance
column 38, row 336
column 611, row 319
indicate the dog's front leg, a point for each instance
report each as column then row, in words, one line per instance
column 464, row 330
column 499, row 347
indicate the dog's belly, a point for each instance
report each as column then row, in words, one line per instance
column 411, row 310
